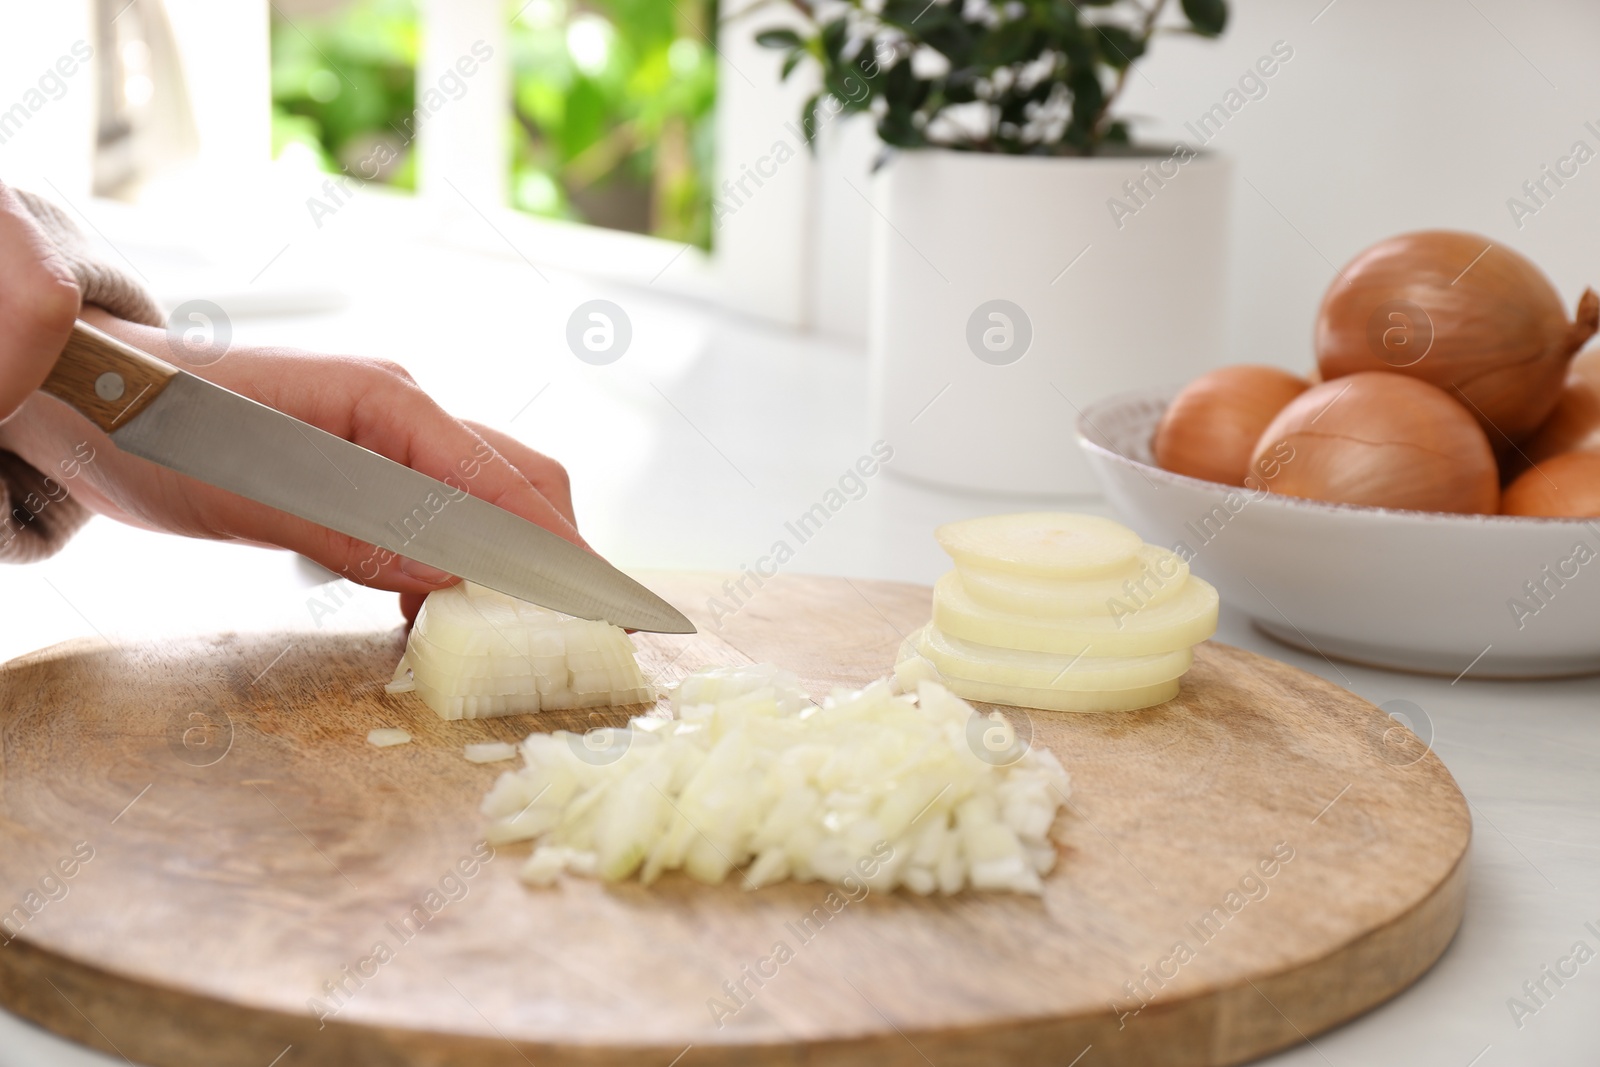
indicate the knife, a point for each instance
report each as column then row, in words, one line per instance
column 168, row 416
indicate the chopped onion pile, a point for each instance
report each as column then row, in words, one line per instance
column 1060, row 612
column 475, row 653
column 892, row 789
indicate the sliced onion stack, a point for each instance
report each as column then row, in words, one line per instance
column 1063, row 613
column 476, row 653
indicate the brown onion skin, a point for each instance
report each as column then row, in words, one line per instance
column 1561, row 486
column 1574, row 425
column 1493, row 331
column 1212, row 426
column 1382, row 440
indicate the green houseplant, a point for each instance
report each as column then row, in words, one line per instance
column 1034, row 77
column 1028, row 255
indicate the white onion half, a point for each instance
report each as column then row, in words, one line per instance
column 475, row 653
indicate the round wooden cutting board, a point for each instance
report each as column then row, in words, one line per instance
column 204, row 864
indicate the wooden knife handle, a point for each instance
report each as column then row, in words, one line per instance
column 108, row 381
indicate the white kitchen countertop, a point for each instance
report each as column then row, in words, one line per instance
column 694, row 449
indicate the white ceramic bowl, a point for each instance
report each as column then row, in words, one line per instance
column 1507, row 597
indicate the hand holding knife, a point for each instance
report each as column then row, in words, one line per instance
column 155, row 411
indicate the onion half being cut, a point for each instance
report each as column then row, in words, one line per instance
column 475, row 653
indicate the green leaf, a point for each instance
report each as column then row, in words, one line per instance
column 1208, row 17
column 1087, row 97
column 585, row 119
column 1081, row 50
column 954, row 40
column 808, row 120
column 899, row 84
column 918, row 16
column 1010, row 42
column 1063, row 13
column 834, row 36
column 778, row 39
column 791, row 61
column 896, row 129
column 960, row 91
column 1118, row 48
column 849, row 87
column 868, row 69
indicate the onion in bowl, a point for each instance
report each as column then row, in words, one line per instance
column 1462, row 312
column 1564, row 486
column 1211, row 428
column 1383, row 440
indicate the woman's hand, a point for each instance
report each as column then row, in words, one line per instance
column 39, row 300
column 372, row 403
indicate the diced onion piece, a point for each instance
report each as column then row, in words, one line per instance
column 475, row 653
column 548, row 861
column 1065, row 699
column 717, row 684
column 1041, row 544
column 491, row 752
column 387, row 736
column 912, row 670
column 753, row 780
column 1154, row 576
column 1184, row 621
column 1020, row 669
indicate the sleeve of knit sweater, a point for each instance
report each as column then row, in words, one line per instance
column 37, row 512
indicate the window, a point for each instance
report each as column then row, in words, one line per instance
column 608, row 122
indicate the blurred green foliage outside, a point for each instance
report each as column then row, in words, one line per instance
column 610, row 122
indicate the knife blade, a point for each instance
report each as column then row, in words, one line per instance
column 185, row 423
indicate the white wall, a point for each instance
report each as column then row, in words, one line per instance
column 763, row 185
column 1389, row 117
column 227, row 84
column 51, row 138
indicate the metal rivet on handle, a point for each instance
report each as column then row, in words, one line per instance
column 109, row 386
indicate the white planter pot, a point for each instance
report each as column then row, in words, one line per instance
column 1010, row 292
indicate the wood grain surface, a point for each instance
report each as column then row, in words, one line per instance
column 1260, row 859
column 90, row 355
